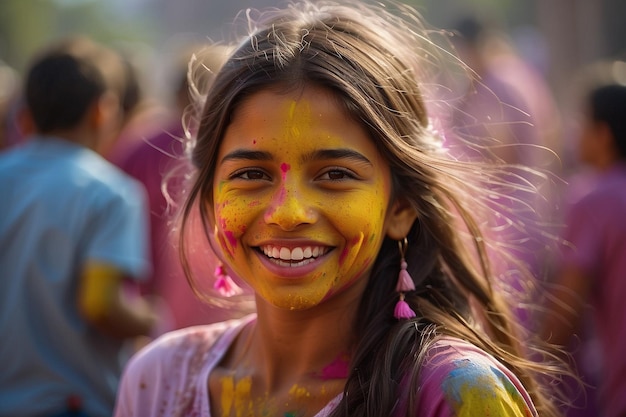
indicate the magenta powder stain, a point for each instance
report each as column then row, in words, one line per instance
column 282, row 195
column 270, row 211
column 223, row 244
column 231, row 238
column 284, row 167
column 229, row 235
column 336, row 369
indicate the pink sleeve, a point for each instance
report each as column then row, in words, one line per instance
column 458, row 379
column 143, row 380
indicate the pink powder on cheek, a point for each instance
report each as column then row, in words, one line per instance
column 231, row 238
column 229, row 235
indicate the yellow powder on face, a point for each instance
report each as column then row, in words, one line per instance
column 299, row 116
column 294, row 133
column 236, row 395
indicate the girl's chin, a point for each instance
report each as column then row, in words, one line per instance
column 291, row 301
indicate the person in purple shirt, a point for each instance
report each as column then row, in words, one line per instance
column 592, row 267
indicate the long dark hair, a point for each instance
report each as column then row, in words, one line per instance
column 377, row 63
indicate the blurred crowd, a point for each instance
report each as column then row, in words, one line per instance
column 93, row 171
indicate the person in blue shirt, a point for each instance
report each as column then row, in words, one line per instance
column 72, row 230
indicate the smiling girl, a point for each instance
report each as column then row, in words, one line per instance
column 323, row 187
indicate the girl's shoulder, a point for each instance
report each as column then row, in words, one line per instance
column 459, row 379
column 170, row 371
column 189, row 345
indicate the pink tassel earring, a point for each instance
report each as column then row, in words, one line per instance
column 405, row 284
column 224, row 284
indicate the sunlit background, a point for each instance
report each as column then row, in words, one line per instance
column 558, row 36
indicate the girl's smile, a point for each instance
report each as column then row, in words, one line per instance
column 301, row 197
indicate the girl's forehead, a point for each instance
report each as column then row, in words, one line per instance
column 292, row 102
column 298, row 121
column 292, row 113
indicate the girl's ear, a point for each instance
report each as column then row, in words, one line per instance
column 400, row 219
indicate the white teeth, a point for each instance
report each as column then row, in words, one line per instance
column 295, row 254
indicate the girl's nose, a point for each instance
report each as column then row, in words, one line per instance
column 290, row 209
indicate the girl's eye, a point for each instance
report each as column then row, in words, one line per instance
column 337, row 174
column 251, row 174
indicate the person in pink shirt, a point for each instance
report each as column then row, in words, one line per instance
column 158, row 162
column 320, row 183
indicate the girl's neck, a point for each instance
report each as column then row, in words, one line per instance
column 294, row 345
column 284, row 363
column 289, row 345
column 288, row 362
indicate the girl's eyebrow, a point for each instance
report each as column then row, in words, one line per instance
column 341, row 153
column 243, row 154
column 320, row 154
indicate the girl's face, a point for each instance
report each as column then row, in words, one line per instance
column 301, row 198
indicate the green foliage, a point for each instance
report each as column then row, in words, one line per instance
column 28, row 25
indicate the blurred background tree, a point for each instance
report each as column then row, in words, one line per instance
column 559, row 36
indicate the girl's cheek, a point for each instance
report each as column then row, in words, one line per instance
column 365, row 214
column 234, row 216
column 230, row 218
